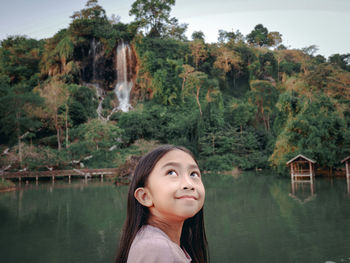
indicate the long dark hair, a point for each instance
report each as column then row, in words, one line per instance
column 193, row 237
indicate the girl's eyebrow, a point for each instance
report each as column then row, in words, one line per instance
column 175, row 164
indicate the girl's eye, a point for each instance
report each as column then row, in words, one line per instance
column 195, row 174
column 172, row 173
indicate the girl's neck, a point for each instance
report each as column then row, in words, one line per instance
column 173, row 229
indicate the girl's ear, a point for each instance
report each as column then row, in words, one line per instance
column 143, row 196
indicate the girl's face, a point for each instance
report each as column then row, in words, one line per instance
column 174, row 187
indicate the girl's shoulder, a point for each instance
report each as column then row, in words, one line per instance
column 152, row 245
column 150, row 236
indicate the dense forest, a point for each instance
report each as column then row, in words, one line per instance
column 245, row 102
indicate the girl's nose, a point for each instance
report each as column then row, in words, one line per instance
column 189, row 187
column 187, row 183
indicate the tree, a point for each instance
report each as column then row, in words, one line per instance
column 335, row 83
column 93, row 11
column 65, row 49
column 266, row 68
column 17, row 116
column 230, row 37
column 198, row 35
column 310, row 50
column 274, row 39
column 176, row 31
column 166, row 82
column 82, row 104
column 227, row 60
column 198, row 51
column 100, row 134
column 316, row 131
column 239, row 113
column 50, row 63
column 184, row 75
column 153, row 15
column 19, row 58
column 56, row 96
column 226, row 148
column 264, row 95
column 4, row 85
column 193, row 85
column 258, row 36
column 214, row 107
column 342, row 61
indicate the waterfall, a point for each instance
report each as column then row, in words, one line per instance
column 95, row 52
column 123, row 86
column 95, row 76
column 100, row 97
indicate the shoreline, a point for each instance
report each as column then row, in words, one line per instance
column 7, row 186
column 7, row 189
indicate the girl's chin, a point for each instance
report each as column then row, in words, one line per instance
column 187, row 214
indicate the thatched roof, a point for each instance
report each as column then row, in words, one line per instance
column 300, row 156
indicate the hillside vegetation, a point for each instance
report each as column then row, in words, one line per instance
column 245, row 101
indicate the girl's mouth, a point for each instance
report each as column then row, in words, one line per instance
column 187, row 197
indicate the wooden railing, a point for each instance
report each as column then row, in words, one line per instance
column 60, row 173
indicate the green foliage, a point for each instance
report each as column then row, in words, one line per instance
column 288, row 106
column 155, row 52
column 4, row 85
column 221, row 150
column 176, row 31
column 93, row 11
column 264, row 95
column 198, row 35
column 19, row 58
column 213, row 113
column 258, row 36
column 65, row 48
column 289, row 67
column 264, row 68
column 239, row 113
column 166, row 83
column 163, row 59
column 93, row 142
column 316, row 131
column 233, row 103
column 153, row 15
column 6, row 184
column 16, row 116
column 183, row 126
column 342, row 61
column 230, row 37
column 83, row 104
column 147, row 123
column 99, row 134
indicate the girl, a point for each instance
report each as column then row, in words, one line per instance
column 164, row 220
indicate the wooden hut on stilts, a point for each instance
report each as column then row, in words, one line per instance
column 302, row 172
column 301, row 167
column 347, row 171
column 346, row 161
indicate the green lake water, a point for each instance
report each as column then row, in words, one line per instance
column 252, row 218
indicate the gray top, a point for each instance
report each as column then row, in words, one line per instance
column 152, row 245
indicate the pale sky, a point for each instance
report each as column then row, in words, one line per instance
column 324, row 23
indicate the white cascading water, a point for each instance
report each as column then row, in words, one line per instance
column 123, row 86
column 100, row 97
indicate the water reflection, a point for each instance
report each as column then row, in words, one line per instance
column 348, row 183
column 247, row 218
column 41, row 221
column 303, row 190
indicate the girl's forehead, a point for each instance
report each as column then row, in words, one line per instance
column 176, row 156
